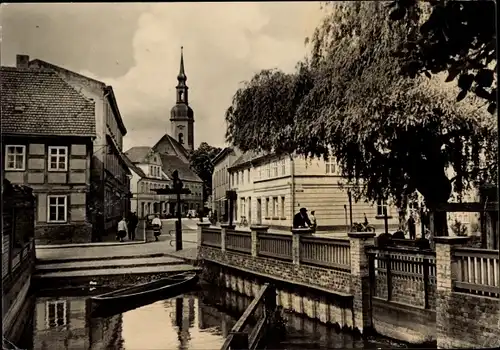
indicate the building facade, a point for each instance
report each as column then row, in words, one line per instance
column 48, row 129
column 151, row 171
column 272, row 189
column 110, row 176
column 221, row 181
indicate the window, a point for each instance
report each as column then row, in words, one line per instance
column 382, row 208
column 242, row 177
column 267, row 207
column 248, row 176
column 268, row 170
column 56, row 314
column 142, row 187
column 282, row 207
column 58, row 158
column 275, row 169
column 16, row 156
column 57, row 208
column 181, row 138
column 259, row 172
column 275, row 206
column 283, row 167
column 330, row 165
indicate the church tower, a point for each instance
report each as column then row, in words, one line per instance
column 181, row 115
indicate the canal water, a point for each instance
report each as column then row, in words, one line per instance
column 197, row 320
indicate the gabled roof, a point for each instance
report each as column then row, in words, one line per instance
column 170, row 146
column 133, row 167
column 171, row 163
column 221, row 155
column 107, row 89
column 36, row 102
column 138, row 154
column 247, row 158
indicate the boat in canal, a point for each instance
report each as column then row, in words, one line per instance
column 129, row 298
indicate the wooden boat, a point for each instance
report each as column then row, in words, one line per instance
column 129, row 298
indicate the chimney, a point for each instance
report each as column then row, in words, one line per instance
column 22, row 61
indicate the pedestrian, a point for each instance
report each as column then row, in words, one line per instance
column 132, row 225
column 156, row 223
column 301, row 220
column 122, row 229
column 312, row 218
column 412, row 227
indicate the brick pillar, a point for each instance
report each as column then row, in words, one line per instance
column 201, row 227
column 296, row 233
column 360, row 279
column 224, row 228
column 255, row 234
column 445, row 276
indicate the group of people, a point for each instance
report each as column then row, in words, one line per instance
column 127, row 226
column 302, row 220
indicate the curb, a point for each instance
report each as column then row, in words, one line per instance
column 99, row 258
column 87, row 245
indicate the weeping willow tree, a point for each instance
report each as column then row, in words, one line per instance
column 391, row 135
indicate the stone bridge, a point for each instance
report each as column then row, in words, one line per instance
column 449, row 295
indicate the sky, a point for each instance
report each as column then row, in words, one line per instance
column 135, row 47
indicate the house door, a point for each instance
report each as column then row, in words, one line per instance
column 259, row 211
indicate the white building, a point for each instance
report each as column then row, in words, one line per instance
column 272, row 189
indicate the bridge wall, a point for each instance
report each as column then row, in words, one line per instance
column 402, row 293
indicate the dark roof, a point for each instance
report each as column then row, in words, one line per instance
column 171, row 163
column 181, row 111
column 36, row 102
column 170, row 146
column 246, row 158
column 106, row 89
column 138, row 154
column 133, row 167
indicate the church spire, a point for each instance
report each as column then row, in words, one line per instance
column 182, row 75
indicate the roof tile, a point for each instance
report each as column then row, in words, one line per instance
column 39, row 102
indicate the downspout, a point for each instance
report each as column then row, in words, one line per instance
column 292, row 188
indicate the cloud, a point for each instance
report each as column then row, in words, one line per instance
column 224, row 44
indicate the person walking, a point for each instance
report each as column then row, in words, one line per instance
column 156, row 223
column 133, row 221
column 122, row 229
column 312, row 218
column 301, row 220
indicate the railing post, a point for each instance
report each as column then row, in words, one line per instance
column 201, row 227
column 445, row 276
column 360, row 278
column 296, row 233
column 425, row 266
column 388, row 273
column 255, row 237
column 239, row 341
column 223, row 231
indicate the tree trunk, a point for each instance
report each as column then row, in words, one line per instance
column 439, row 223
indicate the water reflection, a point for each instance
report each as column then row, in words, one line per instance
column 199, row 320
column 64, row 323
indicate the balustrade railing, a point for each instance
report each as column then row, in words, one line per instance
column 239, row 241
column 403, row 275
column 20, row 257
column 275, row 246
column 211, row 237
column 477, row 271
column 326, row 252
